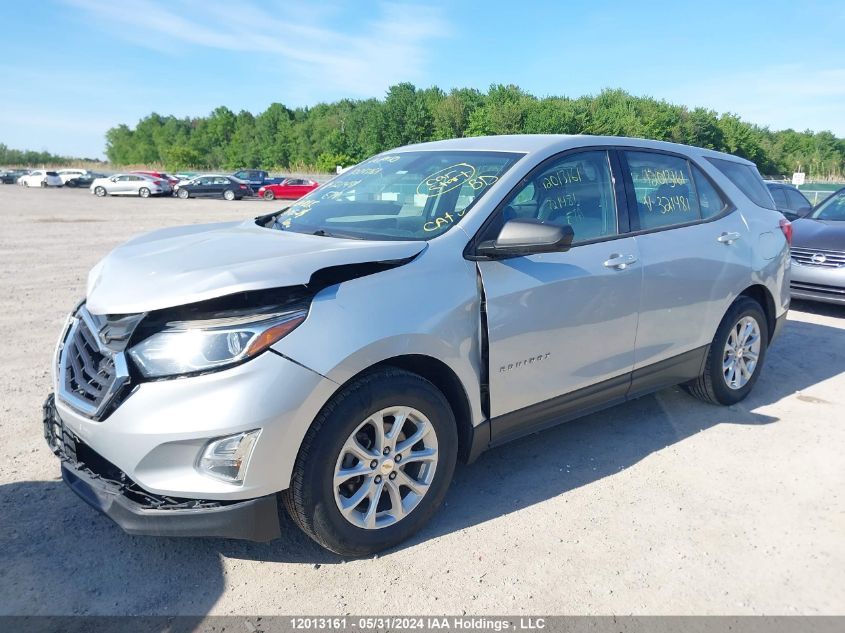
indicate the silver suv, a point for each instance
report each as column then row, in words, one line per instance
column 339, row 356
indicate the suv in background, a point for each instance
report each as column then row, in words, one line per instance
column 338, row 356
column 255, row 178
column 789, row 200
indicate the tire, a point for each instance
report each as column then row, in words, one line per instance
column 723, row 381
column 183, row 193
column 229, row 195
column 313, row 501
column 144, row 192
column 269, row 195
column 70, row 183
column 43, row 184
column 100, row 191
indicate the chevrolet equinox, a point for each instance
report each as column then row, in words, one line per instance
column 338, row 356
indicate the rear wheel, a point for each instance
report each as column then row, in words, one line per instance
column 99, row 191
column 144, row 192
column 229, row 194
column 736, row 355
column 269, row 195
column 183, row 193
column 375, row 465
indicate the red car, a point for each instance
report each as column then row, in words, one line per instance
column 289, row 188
column 158, row 174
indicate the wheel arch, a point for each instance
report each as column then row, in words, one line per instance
column 446, row 380
column 763, row 296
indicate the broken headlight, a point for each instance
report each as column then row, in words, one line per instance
column 185, row 347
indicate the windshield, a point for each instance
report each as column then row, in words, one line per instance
column 831, row 209
column 402, row 196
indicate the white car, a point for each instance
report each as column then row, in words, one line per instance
column 41, row 178
column 129, row 185
column 74, row 177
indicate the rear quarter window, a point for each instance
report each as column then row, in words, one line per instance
column 747, row 179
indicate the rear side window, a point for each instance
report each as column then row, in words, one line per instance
column 796, row 200
column 710, row 202
column 747, row 179
column 778, row 196
column 663, row 188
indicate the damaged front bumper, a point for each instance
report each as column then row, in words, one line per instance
column 137, row 511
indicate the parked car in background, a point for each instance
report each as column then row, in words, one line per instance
column 340, row 355
column 214, row 186
column 184, row 176
column 130, row 185
column 160, row 175
column 40, row 178
column 10, row 176
column 289, row 189
column 789, row 200
column 255, row 178
column 818, row 252
column 76, row 177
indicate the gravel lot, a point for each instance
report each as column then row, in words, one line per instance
column 660, row 506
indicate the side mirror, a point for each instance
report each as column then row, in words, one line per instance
column 113, row 178
column 527, row 237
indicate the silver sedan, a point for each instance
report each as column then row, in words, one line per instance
column 130, row 185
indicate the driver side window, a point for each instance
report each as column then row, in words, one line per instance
column 576, row 189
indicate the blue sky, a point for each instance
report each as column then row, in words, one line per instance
column 70, row 69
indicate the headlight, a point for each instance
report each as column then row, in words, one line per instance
column 190, row 346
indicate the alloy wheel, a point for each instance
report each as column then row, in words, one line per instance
column 385, row 468
column 741, row 353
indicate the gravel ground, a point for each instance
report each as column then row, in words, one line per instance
column 660, row 506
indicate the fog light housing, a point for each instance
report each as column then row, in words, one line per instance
column 227, row 458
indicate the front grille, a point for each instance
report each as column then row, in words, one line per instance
column 818, row 257
column 88, row 372
column 92, row 377
column 833, row 291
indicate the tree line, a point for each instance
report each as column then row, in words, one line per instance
column 31, row 158
column 347, row 131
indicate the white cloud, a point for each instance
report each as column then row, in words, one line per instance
column 783, row 96
column 360, row 59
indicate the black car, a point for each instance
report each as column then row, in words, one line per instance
column 214, row 186
column 789, row 200
column 10, row 176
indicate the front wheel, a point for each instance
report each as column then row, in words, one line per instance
column 736, row 355
column 375, row 465
column 269, row 195
column 43, row 184
column 229, row 194
column 99, row 191
column 183, row 193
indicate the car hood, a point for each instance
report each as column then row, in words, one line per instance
column 186, row 264
column 826, row 235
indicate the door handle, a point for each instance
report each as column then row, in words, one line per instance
column 728, row 238
column 619, row 262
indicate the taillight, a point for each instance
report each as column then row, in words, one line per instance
column 786, row 227
column 158, row 182
column 243, row 186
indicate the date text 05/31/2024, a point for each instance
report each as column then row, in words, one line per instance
column 417, row 623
